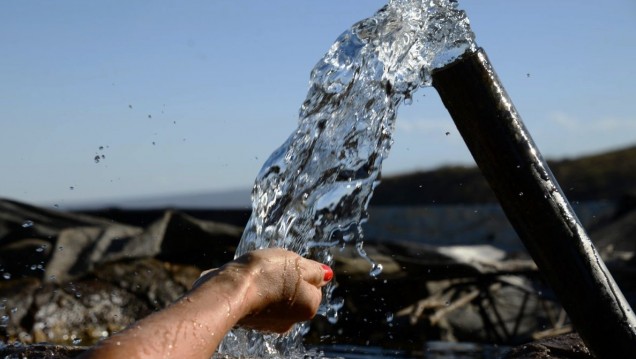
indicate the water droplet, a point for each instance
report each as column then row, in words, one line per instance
column 520, row 194
column 71, row 188
column 14, row 310
column 33, row 267
column 41, row 248
column 376, row 269
column 6, row 275
column 96, row 159
column 28, row 223
column 389, row 317
column 332, row 315
column 77, row 341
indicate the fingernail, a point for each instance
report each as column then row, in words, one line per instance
column 328, row 272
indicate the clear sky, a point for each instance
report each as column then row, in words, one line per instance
column 181, row 97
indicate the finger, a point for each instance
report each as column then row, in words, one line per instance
column 306, row 303
column 316, row 273
column 328, row 273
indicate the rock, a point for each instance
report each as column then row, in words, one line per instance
column 58, row 247
column 569, row 346
column 39, row 351
column 92, row 308
column 73, row 280
column 615, row 241
column 82, row 312
column 17, row 300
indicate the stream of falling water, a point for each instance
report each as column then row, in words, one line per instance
column 312, row 193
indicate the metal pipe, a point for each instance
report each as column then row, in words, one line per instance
column 535, row 205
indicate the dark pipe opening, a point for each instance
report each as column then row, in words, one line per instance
column 536, row 206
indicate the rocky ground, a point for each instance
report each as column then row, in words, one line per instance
column 69, row 280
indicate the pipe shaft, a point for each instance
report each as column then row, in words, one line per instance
column 535, row 205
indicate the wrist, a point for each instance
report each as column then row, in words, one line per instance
column 225, row 294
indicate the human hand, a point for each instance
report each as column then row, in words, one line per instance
column 283, row 288
column 269, row 289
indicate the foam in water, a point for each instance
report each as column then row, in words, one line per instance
column 312, row 193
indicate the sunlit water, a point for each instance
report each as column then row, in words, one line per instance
column 313, row 191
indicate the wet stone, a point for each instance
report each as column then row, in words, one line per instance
column 40, row 351
column 568, row 346
column 84, row 311
column 89, row 309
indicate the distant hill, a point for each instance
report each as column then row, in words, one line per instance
column 605, row 176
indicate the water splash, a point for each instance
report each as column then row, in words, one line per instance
column 313, row 191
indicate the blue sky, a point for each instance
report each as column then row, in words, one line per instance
column 190, row 96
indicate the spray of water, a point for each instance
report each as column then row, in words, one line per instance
column 312, row 193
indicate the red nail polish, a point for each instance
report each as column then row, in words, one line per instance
column 328, row 272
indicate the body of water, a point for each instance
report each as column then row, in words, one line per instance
column 430, row 350
column 448, row 225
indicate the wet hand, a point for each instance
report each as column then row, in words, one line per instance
column 283, row 288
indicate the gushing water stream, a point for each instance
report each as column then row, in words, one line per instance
column 312, row 193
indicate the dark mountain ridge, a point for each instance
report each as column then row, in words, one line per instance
column 605, row 176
